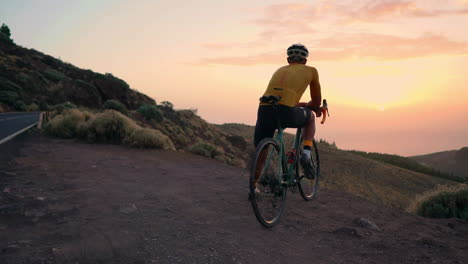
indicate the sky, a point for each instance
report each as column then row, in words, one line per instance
column 393, row 72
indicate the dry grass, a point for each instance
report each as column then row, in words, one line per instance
column 66, row 125
column 109, row 126
column 438, row 190
column 149, row 138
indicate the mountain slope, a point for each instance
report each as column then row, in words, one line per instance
column 454, row 161
column 344, row 171
column 28, row 76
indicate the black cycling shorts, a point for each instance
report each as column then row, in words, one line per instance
column 267, row 118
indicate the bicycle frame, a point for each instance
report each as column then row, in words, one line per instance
column 287, row 177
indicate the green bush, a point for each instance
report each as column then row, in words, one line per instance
column 54, row 75
column 121, row 82
column 8, row 97
column 444, row 201
column 446, row 205
column 4, row 29
column 150, row 112
column 115, row 105
column 62, row 107
column 205, row 149
column 19, row 105
column 43, row 106
column 149, row 138
column 7, row 85
column 167, row 104
column 23, row 77
column 5, row 34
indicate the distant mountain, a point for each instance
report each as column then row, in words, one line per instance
column 453, row 161
column 29, row 77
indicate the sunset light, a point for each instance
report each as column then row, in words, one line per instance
column 389, row 57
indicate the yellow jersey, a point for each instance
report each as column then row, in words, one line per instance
column 291, row 81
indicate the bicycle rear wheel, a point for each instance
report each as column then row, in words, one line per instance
column 267, row 193
column 309, row 187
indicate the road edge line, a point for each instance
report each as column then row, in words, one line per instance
column 17, row 133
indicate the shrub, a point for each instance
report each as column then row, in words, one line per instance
column 150, row 112
column 8, row 97
column 1, row 109
column 66, row 125
column 43, row 106
column 19, row 105
column 121, row 82
column 32, row 107
column 62, row 107
column 115, row 105
column 205, row 149
column 54, row 75
column 238, row 142
column 149, row 138
column 4, row 29
column 5, row 34
column 7, row 85
column 443, row 202
column 110, row 126
column 167, row 104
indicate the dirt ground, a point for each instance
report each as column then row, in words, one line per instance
column 68, row 202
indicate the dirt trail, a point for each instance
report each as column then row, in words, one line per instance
column 67, row 202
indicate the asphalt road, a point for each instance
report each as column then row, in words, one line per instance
column 11, row 123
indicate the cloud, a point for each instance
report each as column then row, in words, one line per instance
column 375, row 46
column 282, row 23
column 382, row 10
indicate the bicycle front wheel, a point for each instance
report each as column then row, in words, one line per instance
column 309, row 187
column 267, row 193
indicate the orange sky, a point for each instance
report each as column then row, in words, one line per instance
column 393, row 71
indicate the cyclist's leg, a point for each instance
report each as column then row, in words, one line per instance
column 300, row 117
column 309, row 131
column 264, row 128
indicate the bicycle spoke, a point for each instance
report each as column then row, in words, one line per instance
column 268, row 195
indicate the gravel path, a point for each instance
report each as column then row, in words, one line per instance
column 68, row 202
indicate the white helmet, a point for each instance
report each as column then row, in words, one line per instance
column 298, row 50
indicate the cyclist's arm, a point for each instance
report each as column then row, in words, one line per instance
column 315, row 93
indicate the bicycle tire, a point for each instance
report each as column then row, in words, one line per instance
column 269, row 200
column 309, row 188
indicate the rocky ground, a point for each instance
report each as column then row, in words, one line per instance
column 68, row 202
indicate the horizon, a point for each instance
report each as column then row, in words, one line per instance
column 392, row 71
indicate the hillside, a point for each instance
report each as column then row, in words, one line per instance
column 376, row 181
column 454, row 161
column 30, row 79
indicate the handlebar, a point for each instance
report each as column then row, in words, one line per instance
column 325, row 111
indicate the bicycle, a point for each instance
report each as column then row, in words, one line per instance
column 281, row 171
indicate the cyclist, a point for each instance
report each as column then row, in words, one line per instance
column 289, row 83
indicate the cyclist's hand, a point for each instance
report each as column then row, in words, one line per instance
column 318, row 112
